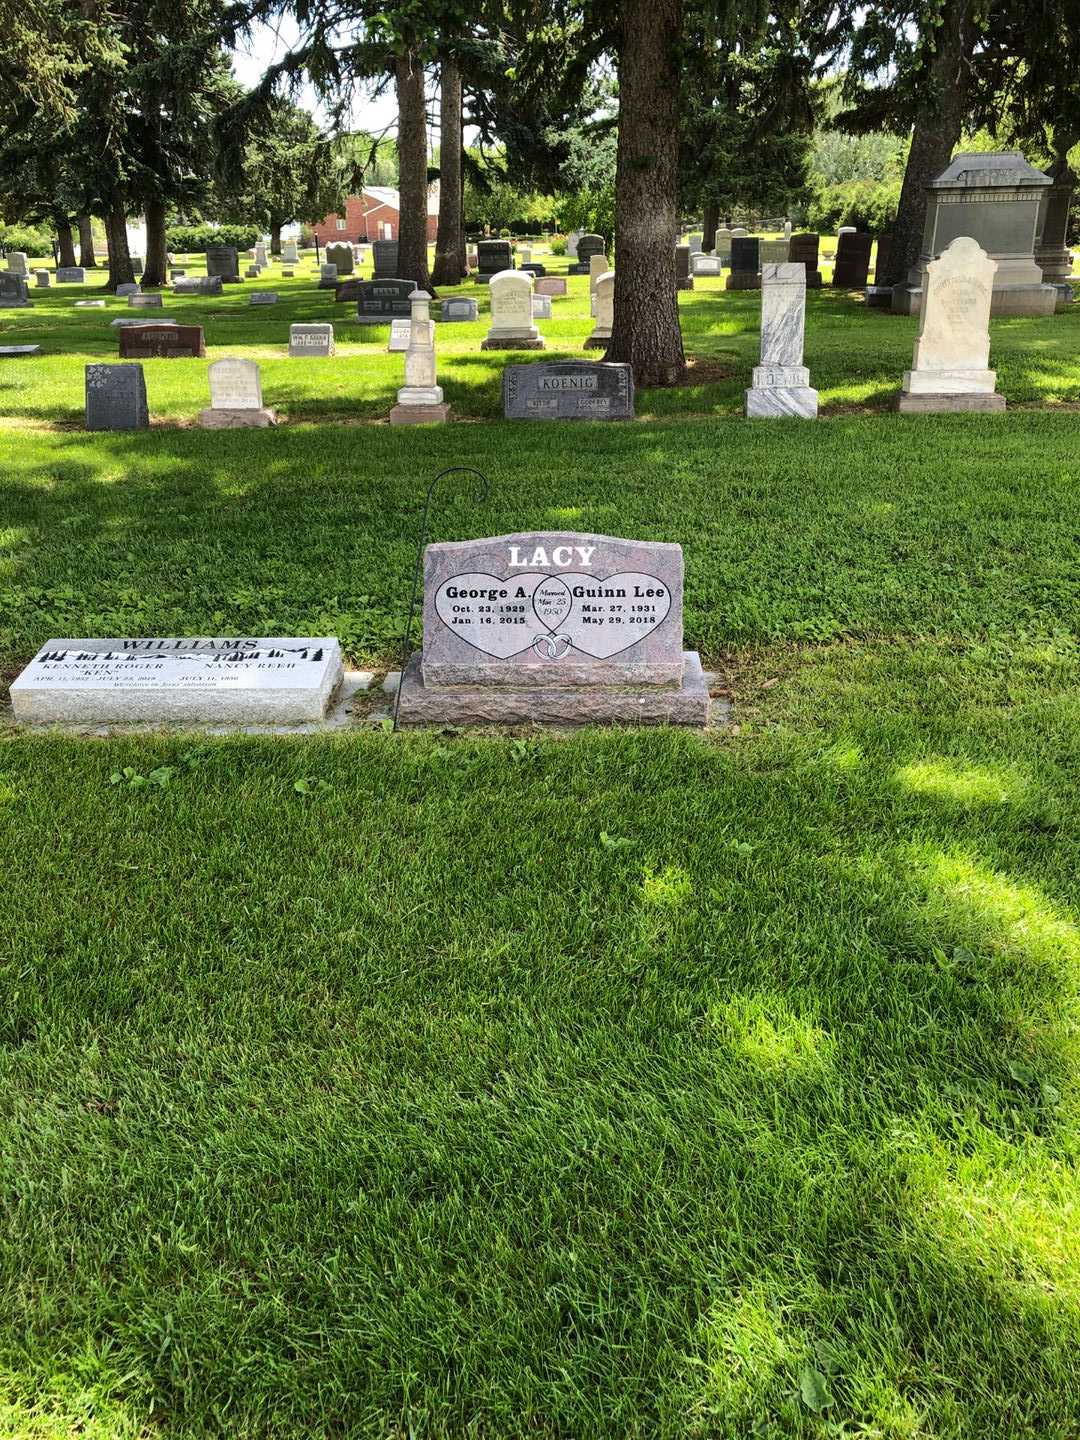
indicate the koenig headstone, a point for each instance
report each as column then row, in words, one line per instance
column 554, row 628
column 950, row 369
column 116, row 398
column 781, row 382
column 231, row 680
column 568, row 390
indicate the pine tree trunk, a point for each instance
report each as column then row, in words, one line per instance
column 645, row 330
column 120, row 268
column 710, row 220
column 412, row 171
column 66, row 243
column 275, row 237
column 937, row 129
column 154, row 272
column 450, row 240
column 87, row 258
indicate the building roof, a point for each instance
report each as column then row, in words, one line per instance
column 384, row 195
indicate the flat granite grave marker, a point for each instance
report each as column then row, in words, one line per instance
column 116, row 398
column 263, row 297
column 235, row 397
column 198, row 285
column 381, row 301
column 555, row 628
column 201, row 680
column 13, row 351
column 13, row 291
column 315, row 340
column 162, row 342
column 781, row 382
column 459, row 307
column 89, row 304
column 568, row 390
column 949, row 370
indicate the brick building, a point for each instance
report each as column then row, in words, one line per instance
column 373, row 215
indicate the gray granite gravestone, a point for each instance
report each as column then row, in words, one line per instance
column 852, row 264
column 128, row 287
column 460, row 307
column 162, row 342
column 116, row 398
column 994, row 199
column 803, row 250
column 683, row 279
column 43, row 278
column 745, row 263
column 311, row 340
column 70, row 275
column 383, row 300
column 13, row 291
column 494, row 256
column 555, row 628
column 781, row 382
column 587, row 247
column 385, row 255
column 17, row 264
column 341, row 255
column 568, row 390
column 198, row 285
column 243, row 680
column 223, row 260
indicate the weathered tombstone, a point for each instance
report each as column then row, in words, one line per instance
column 745, row 263
column 290, row 255
column 246, row 680
column 70, row 275
column 17, row 264
column 553, row 628
column 261, row 257
column 116, row 398
column 384, row 300
column 161, row 342
column 550, row 285
column 722, row 245
column 852, row 264
column 263, row 297
column 385, row 254
column 223, row 260
column 420, row 399
column 803, row 250
column 740, row 231
column 541, row 306
column 235, row 397
column 525, row 256
column 568, row 390
column 144, row 302
column 495, row 256
column 605, row 312
column 512, row 325
column 316, row 341
column 13, row 291
column 773, row 252
column 598, row 265
column 400, row 330
column 587, row 247
column 328, row 277
column 702, row 264
column 780, row 384
column 572, row 243
column 683, row 279
column 949, row 370
column 340, row 255
column 994, row 199
column 43, row 278
column 460, row 307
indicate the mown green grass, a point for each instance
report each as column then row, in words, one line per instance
column 616, row 1084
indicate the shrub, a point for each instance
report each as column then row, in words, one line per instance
column 194, row 239
column 558, row 244
column 32, row 239
column 504, row 233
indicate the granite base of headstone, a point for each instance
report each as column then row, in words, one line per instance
column 248, row 680
column 553, row 629
column 569, row 390
column 235, row 397
column 311, row 341
column 116, row 398
column 780, row 383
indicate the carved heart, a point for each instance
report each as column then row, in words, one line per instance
column 539, row 606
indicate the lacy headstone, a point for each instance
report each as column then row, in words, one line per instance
column 311, row 340
column 553, row 628
column 162, row 342
column 235, row 397
column 780, row 383
column 512, row 326
column 420, row 399
column 568, row 390
column 116, row 398
column 950, row 368
column 229, row 680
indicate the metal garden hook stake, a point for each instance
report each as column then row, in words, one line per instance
column 480, row 494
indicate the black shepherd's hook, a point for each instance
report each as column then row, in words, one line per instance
column 483, row 489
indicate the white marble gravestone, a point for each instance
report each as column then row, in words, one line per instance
column 400, row 330
column 512, row 325
column 780, row 384
column 171, row 680
column 950, row 367
column 556, row 628
column 289, row 253
column 600, row 337
column 541, row 306
column 16, row 263
column 703, row 264
column 235, row 397
column 420, row 399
